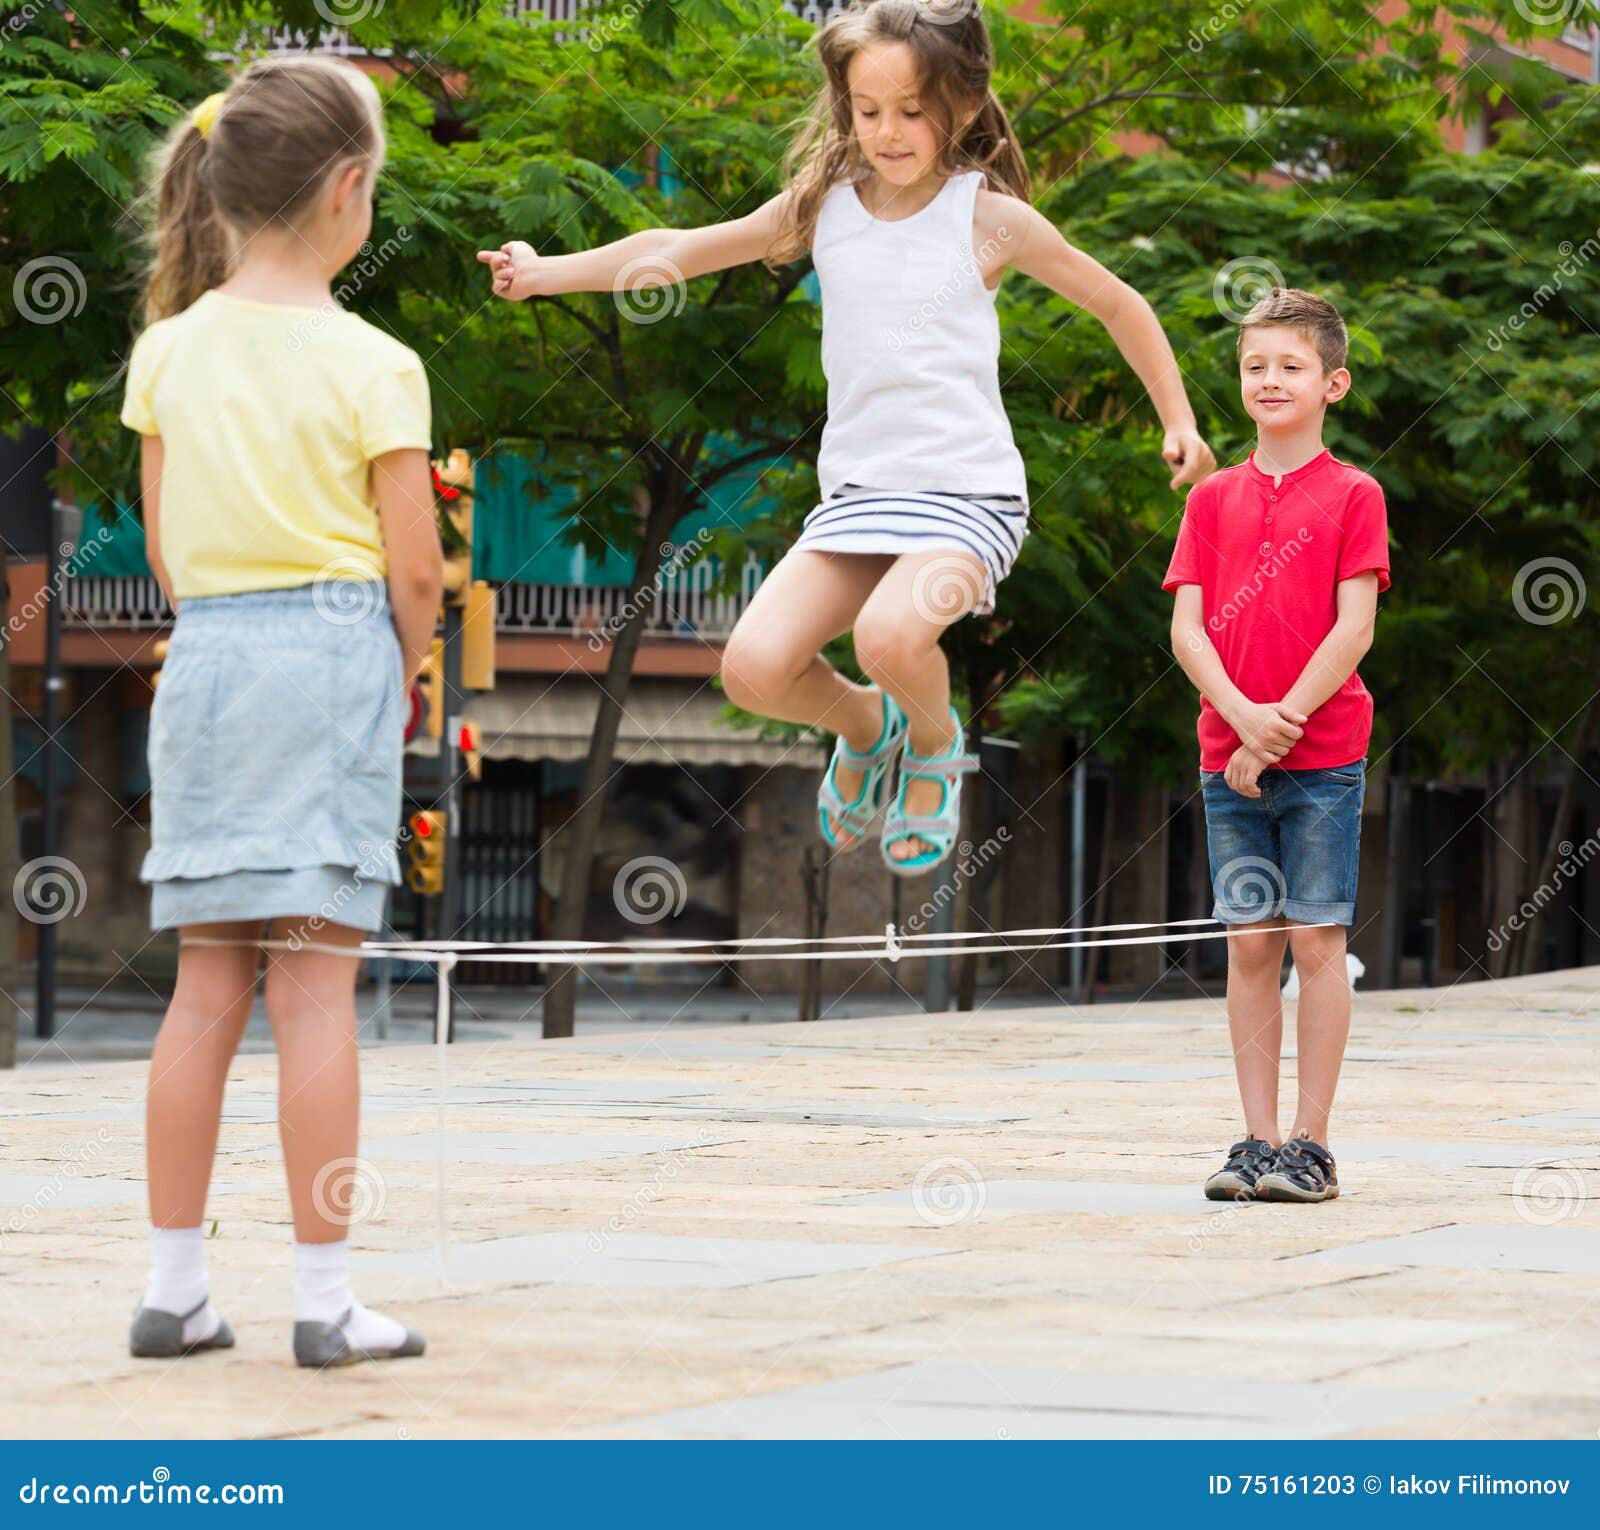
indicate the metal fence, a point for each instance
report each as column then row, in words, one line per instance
column 337, row 41
column 688, row 605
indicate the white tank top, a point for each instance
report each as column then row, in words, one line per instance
column 911, row 349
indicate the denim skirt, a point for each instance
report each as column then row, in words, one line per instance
column 275, row 747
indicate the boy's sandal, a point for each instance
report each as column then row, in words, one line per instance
column 856, row 816
column 1304, row 1172
column 937, row 829
column 1237, row 1179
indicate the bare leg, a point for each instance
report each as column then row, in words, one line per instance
column 773, row 663
column 189, row 1069
column 1322, row 1026
column 311, row 1004
column 1255, row 1023
column 897, row 639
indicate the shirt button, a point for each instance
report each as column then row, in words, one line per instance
column 1274, row 499
column 1266, row 547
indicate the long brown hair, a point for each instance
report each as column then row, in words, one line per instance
column 283, row 125
column 955, row 63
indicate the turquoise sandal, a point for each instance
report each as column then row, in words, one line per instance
column 876, row 764
column 939, row 829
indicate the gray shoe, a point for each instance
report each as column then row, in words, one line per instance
column 324, row 1344
column 158, row 1335
column 1237, row 1179
column 1302, row 1171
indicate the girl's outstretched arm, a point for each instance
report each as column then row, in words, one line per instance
column 1035, row 247
column 654, row 257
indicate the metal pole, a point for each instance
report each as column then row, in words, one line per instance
column 45, row 970
column 1430, row 912
column 441, row 1038
column 936, row 990
column 382, row 970
column 451, row 901
column 1080, row 804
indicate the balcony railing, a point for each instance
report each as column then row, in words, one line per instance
column 337, row 40
column 687, row 606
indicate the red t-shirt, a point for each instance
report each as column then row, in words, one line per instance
column 1268, row 558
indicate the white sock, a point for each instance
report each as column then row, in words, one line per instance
column 322, row 1295
column 178, row 1280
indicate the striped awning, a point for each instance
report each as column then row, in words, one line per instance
column 664, row 721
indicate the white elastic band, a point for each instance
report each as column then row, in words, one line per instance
column 674, row 953
column 401, row 947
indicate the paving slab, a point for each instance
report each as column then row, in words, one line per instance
column 1561, row 1250
column 1118, row 1198
column 631, row 1259
column 533, row 1149
column 986, row 1224
column 1024, row 1403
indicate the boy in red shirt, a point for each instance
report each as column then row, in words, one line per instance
column 1277, row 571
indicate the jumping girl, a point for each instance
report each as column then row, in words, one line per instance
column 908, row 190
column 288, row 512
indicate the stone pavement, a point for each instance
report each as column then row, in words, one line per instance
column 981, row 1225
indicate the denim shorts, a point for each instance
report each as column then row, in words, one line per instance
column 1294, row 852
column 275, row 754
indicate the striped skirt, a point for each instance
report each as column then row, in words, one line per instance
column 860, row 520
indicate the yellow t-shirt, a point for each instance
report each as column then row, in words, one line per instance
column 269, row 417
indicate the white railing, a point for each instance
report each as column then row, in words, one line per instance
column 337, row 41
column 686, row 606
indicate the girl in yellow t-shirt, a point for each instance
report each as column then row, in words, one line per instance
column 288, row 511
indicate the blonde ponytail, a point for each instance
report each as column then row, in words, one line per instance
column 192, row 247
column 263, row 157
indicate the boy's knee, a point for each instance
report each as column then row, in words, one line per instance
column 1254, row 950
column 1315, row 947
